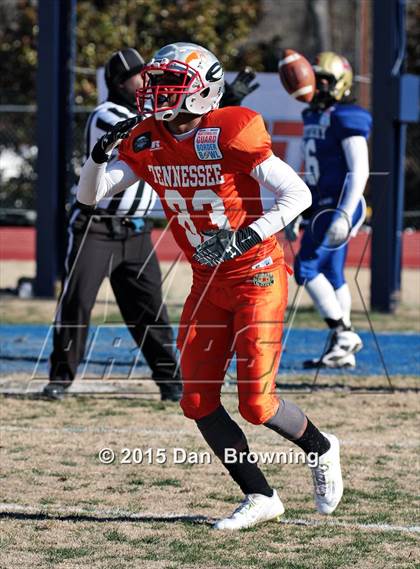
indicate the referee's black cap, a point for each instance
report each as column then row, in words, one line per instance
column 122, row 65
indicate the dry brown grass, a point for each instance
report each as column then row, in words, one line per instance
column 68, row 499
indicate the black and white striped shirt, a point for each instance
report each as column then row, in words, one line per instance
column 138, row 199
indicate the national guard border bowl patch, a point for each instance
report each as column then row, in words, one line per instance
column 206, row 144
column 263, row 279
column 142, row 141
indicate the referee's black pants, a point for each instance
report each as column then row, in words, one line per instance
column 99, row 247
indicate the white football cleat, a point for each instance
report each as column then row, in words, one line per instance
column 327, row 479
column 254, row 509
column 340, row 352
column 348, row 342
column 346, row 362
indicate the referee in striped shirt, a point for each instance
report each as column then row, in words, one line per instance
column 114, row 240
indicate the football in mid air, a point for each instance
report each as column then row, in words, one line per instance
column 297, row 75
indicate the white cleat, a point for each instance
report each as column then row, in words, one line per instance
column 346, row 362
column 348, row 342
column 327, row 479
column 340, row 352
column 254, row 509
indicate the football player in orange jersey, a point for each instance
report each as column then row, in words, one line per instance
column 207, row 164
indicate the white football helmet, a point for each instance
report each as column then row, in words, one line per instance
column 181, row 78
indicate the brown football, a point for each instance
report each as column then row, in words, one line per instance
column 297, row 75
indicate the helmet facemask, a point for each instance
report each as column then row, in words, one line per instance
column 182, row 78
column 324, row 90
column 167, row 85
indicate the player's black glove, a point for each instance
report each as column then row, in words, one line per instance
column 225, row 245
column 240, row 87
column 107, row 142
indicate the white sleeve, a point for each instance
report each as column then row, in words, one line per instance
column 292, row 195
column 98, row 181
column 357, row 157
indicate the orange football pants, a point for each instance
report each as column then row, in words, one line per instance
column 243, row 317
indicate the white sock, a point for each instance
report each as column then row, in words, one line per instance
column 344, row 299
column 323, row 295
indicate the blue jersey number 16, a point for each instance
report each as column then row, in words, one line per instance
column 311, row 163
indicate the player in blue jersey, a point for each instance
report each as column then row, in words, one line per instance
column 336, row 171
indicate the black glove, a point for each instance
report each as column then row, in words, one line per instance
column 107, row 142
column 225, row 245
column 240, row 87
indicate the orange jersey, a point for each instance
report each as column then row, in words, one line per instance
column 204, row 181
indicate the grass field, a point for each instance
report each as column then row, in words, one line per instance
column 62, row 508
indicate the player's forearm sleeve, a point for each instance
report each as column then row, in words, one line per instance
column 101, row 180
column 292, row 195
column 357, row 157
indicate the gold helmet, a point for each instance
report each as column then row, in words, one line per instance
column 336, row 70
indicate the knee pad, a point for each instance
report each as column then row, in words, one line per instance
column 197, row 405
column 289, row 420
column 259, row 408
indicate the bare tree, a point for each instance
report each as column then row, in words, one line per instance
column 319, row 17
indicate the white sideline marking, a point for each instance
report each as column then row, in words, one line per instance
column 143, row 431
column 116, row 513
column 349, row 525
